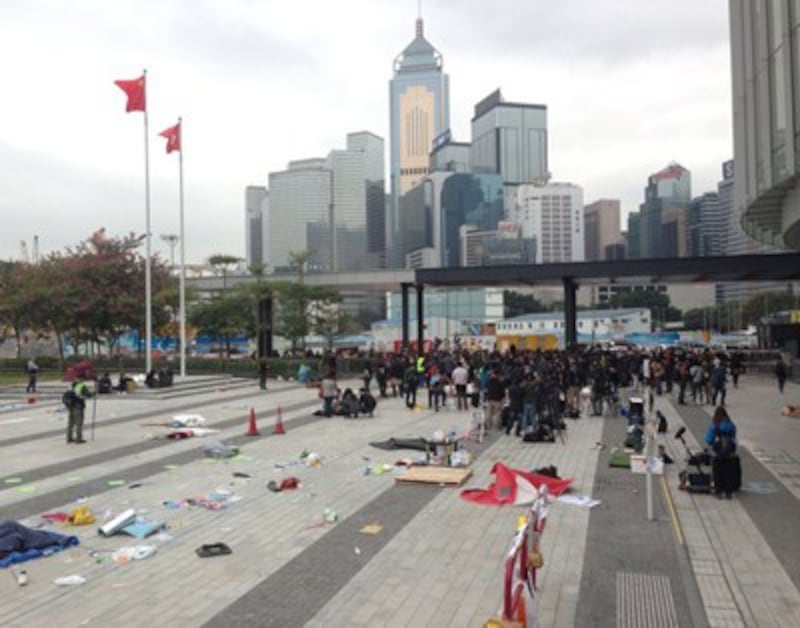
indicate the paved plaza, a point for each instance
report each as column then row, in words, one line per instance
column 436, row 560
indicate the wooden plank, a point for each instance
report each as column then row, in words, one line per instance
column 436, row 475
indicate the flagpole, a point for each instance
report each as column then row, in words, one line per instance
column 148, row 322
column 182, row 288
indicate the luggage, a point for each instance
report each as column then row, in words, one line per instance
column 727, row 471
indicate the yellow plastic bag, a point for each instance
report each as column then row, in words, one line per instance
column 81, row 516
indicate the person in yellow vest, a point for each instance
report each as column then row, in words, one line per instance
column 75, row 401
column 420, row 370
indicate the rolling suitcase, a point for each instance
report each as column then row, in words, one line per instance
column 727, row 472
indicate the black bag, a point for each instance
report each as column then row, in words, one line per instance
column 69, row 399
column 663, row 426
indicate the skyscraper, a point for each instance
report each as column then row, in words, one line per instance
column 765, row 63
column 601, row 227
column 331, row 207
column 706, row 226
column 256, row 204
column 510, row 139
column 419, row 111
column 663, row 223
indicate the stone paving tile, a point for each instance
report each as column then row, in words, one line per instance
column 437, row 552
column 264, row 529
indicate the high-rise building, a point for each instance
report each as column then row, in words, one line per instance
column 552, row 215
column 450, row 156
column 736, row 242
column 633, row 238
column 510, row 139
column 419, row 104
column 663, row 224
column 256, row 208
column 706, row 226
column 330, row 207
column 434, row 210
column 299, row 215
column 500, row 246
column 765, row 62
column 601, row 227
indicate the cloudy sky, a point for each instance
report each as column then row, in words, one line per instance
column 630, row 86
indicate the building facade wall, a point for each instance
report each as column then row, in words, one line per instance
column 765, row 62
column 601, row 227
column 255, row 226
column 552, row 215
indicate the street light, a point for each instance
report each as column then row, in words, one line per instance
column 172, row 240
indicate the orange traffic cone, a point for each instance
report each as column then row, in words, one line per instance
column 279, row 423
column 252, row 430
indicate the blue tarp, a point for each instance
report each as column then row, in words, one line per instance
column 18, row 543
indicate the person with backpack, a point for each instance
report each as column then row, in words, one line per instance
column 75, row 401
column 721, row 439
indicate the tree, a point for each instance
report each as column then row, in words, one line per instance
column 657, row 302
column 760, row 305
column 328, row 319
column 222, row 263
column 517, row 304
column 15, row 313
column 220, row 318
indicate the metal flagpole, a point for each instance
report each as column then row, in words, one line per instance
column 148, row 322
column 182, row 288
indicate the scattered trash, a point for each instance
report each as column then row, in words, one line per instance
column 313, row 460
column 759, row 488
column 213, row 549
column 142, row 528
column 218, row 449
column 136, row 485
column 55, row 517
column 22, row 577
column 239, row 474
column 189, row 432
column 372, row 529
column 358, row 551
column 116, row 524
column 125, row 555
column 164, row 537
column 70, row 581
column 188, row 420
column 330, row 516
column 81, row 516
column 583, row 501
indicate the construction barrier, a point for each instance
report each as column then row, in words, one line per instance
column 522, row 563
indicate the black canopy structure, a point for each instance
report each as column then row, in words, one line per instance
column 749, row 268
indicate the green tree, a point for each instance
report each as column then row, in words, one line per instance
column 15, row 314
column 760, row 305
column 220, row 318
column 658, row 303
column 517, row 304
column 222, row 263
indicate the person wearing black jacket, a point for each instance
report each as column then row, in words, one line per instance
column 495, row 395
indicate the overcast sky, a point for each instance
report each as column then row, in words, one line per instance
column 630, row 85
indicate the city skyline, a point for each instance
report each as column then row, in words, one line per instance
column 249, row 78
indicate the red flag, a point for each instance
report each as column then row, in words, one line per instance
column 135, row 90
column 173, row 135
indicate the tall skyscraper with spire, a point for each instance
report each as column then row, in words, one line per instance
column 419, row 110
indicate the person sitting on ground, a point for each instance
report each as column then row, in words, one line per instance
column 350, row 404
column 104, row 386
column 150, row 379
column 124, row 380
column 367, row 402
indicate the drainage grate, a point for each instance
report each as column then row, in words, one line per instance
column 644, row 600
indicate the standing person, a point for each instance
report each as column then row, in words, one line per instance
column 460, row 378
column 515, row 406
column 328, row 391
column 696, row 373
column 495, row 395
column 721, row 438
column 262, row 373
column 718, row 379
column 410, row 383
column 780, row 373
column 75, row 401
column 736, row 368
column 380, row 376
column 33, row 370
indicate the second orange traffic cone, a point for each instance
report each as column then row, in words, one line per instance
column 252, row 429
column 279, row 423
